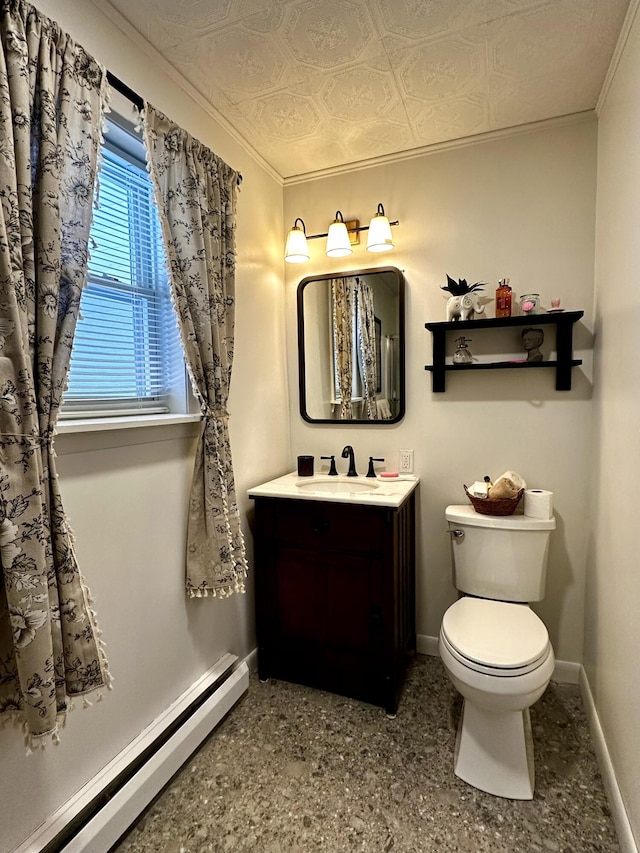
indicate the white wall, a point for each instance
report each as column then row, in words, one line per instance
column 612, row 636
column 126, row 492
column 523, row 207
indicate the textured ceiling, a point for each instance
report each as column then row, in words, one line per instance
column 314, row 84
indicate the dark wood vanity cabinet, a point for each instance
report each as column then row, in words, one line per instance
column 335, row 595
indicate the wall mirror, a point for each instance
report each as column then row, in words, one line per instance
column 351, row 347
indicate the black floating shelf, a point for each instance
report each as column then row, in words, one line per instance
column 563, row 321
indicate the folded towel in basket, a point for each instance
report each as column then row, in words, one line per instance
column 507, row 485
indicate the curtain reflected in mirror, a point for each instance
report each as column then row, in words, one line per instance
column 351, row 346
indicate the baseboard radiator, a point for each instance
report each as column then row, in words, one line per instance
column 101, row 812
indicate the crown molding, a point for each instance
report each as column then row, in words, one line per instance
column 627, row 24
column 449, row 145
column 181, row 81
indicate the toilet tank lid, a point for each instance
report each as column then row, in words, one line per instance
column 466, row 514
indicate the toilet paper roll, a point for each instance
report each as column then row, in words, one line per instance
column 538, row 503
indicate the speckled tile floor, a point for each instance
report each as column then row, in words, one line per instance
column 297, row 770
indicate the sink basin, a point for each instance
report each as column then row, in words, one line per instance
column 335, row 487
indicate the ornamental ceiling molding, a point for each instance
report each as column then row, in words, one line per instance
column 632, row 11
column 436, row 147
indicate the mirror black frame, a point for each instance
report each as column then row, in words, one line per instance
column 401, row 347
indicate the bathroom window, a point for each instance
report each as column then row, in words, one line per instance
column 127, row 357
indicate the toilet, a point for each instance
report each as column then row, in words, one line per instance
column 495, row 649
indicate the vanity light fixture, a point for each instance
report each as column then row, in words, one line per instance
column 341, row 237
column 338, row 243
column 380, row 239
column 297, row 251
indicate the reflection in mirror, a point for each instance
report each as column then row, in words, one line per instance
column 351, row 346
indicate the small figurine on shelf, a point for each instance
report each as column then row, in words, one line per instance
column 532, row 340
column 465, row 302
column 462, row 354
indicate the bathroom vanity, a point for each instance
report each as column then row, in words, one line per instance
column 335, row 583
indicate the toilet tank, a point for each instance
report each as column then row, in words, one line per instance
column 499, row 557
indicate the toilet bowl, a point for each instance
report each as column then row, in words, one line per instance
column 499, row 657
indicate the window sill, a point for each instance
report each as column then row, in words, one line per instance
column 77, row 425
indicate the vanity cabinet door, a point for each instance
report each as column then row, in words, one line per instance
column 299, row 612
column 325, row 613
column 354, row 604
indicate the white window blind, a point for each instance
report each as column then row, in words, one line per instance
column 126, row 355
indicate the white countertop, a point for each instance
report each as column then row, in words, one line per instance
column 368, row 491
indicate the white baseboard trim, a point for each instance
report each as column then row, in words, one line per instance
column 426, row 645
column 251, row 660
column 565, row 672
column 103, row 827
column 620, row 818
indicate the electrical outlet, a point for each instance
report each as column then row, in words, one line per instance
column 406, row 462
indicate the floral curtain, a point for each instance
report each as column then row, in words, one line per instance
column 366, row 337
column 196, row 194
column 342, row 292
column 51, row 98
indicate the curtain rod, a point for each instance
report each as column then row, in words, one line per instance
column 121, row 87
column 134, row 97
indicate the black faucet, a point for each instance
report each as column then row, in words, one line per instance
column 348, row 452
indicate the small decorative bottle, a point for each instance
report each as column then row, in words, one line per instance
column 503, row 298
column 462, row 354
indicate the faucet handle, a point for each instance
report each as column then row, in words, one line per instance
column 333, row 471
column 371, row 472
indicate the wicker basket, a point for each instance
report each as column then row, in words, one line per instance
column 497, row 506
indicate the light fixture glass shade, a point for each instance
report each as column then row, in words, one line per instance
column 380, row 239
column 338, row 243
column 296, row 250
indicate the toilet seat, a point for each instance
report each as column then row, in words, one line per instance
column 495, row 637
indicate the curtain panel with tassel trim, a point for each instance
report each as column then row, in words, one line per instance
column 342, row 291
column 52, row 95
column 196, row 194
column 366, row 336
column 354, row 335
